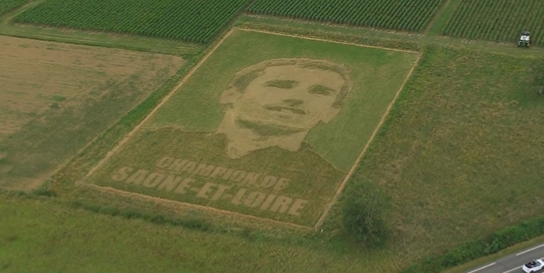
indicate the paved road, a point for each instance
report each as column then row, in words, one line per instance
column 512, row 263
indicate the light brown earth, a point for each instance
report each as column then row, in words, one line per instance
column 56, row 97
column 36, row 74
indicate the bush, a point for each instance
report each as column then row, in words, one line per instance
column 364, row 214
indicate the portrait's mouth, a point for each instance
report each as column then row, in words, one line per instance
column 264, row 130
column 297, row 111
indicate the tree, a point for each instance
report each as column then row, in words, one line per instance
column 364, row 212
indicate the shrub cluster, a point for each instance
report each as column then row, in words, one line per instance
column 364, row 214
column 187, row 222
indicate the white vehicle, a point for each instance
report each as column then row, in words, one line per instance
column 524, row 39
column 533, row 266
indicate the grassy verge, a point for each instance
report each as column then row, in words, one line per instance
column 490, row 258
column 484, row 246
column 58, row 238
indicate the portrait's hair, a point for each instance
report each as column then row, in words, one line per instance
column 245, row 76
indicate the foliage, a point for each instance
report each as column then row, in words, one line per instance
column 497, row 20
column 9, row 5
column 364, row 214
column 190, row 21
column 480, row 247
column 412, row 15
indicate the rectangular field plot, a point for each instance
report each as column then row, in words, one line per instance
column 267, row 126
column 411, row 15
column 55, row 97
column 185, row 20
column 497, row 20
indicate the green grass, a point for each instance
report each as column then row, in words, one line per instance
column 461, row 155
column 184, row 126
column 9, row 5
column 46, row 236
column 501, row 20
column 188, row 21
column 55, row 134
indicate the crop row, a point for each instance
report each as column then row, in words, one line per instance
column 497, row 20
column 186, row 20
column 9, row 5
column 406, row 15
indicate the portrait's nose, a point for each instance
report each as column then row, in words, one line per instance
column 293, row 102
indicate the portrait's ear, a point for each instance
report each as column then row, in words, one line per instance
column 330, row 115
column 229, row 96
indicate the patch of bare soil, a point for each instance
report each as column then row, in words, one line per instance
column 37, row 77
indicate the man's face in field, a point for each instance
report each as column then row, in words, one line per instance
column 279, row 107
column 289, row 98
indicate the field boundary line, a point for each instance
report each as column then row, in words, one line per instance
column 437, row 15
column 150, row 114
column 325, row 40
column 189, row 205
column 367, row 145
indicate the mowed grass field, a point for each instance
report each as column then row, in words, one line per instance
column 459, row 158
column 44, row 236
column 192, row 125
column 57, row 97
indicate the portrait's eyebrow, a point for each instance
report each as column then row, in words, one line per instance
column 283, row 84
column 321, row 90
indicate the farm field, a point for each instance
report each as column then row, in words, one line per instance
column 189, row 21
column 461, row 154
column 500, row 20
column 61, row 239
column 453, row 140
column 56, row 97
column 235, row 168
column 413, row 15
column 9, row 5
column 236, row 157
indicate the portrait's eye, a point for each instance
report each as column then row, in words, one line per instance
column 283, row 84
column 321, row 90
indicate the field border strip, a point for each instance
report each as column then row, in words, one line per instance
column 325, row 40
column 189, row 205
column 150, row 114
column 367, row 145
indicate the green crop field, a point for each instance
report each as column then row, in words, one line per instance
column 497, row 20
column 190, row 21
column 252, row 159
column 9, row 5
column 413, row 15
